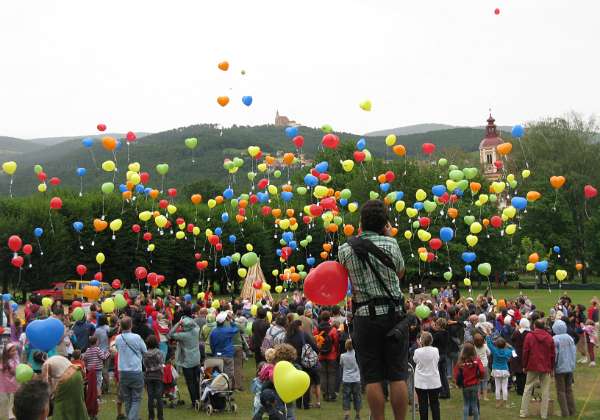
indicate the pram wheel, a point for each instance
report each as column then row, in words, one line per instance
column 197, row 406
column 209, row 409
column 233, row 407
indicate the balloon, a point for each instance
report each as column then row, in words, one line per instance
column 589, row 192
column 23, row 373
column 56, row 203
column 107, row 187
column 556, row 249
column 162, row 168
column 475, row 227
column 390, row 140
column 541, row 266
column 468, row 257
column 518, row 130
column 223, row 100
column 191, row 142
column 579, row 266
column 533, row 196
column 115, row 225
column 140, row 273
column 530, row 267
column 249, row 259
column 108, row 166
column 17, row 261
column 446, row 234
column 47, row 302
column 365, row 105
column 557, row 181
column 422, row 311
column 291, row 131
column 108, row 305
column 120, row 301
column 116, row 284
column 327, row 283
column 504, row 148
column 472, row 240
column 14, row 243
column 9, row 167
column 330, row 141
column 484, row 269
column 247, row 100
column 182, row 282
column 399, row 150
column 467, row 282
column 45, row 334
column 100, row 258
column 561, row 275
column 428, row 148
column 290, row 383
column 448, row 275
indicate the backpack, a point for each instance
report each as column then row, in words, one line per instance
column 270, row 340
column 324, row 342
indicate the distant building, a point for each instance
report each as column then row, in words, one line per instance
column 487, row 150
column 282, row 120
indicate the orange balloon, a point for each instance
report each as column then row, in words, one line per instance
column 348, row 230
column 109, row 143
column 223, row 100
column 422, row 250
column 578, row 266
column 386, row 201
column 153, row 194
column 293, row 220
column 223, row 65
column 501, row 303
column 239, row 218
column 156, row 213
column 219, row 199
column 332, row 228
column 295, row 277
column 557, row 181
column 276, row 212
column 327, row 247
column 486, row 222
column 475, row 187
column 533, row 196
column 381, row 178
column 330, row 192
column 394, row 232
column 533, row 258
column 504, row 148
column 243, row 204
column 269, row 160
column 196, row 199
column 91, row 292
column 324, row 255
column 288, row 158
column 100, row 225
column 399, row 150
column 292, row 269
column 452, row 212
column 286, row 187
column 126, row 195
column 337, row 195
column 129, row 185
column 290, row 213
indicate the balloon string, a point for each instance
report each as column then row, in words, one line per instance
column 93, row 159
column 39, row 245
column 127, row 152
column 81, row 186
column 10, row 187
column 585, row 209
column 51, row 224
column 524, row 155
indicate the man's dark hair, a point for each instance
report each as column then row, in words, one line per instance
column 300, row 310
column 261, row 313
column 31, row 400
column 373, row 216
column 151, row 342
column 539, row 324
column 125, row 324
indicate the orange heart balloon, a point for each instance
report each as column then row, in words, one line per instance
column 504, row 148
column 327, row 247
column 452, row 212
column 475, row 187
column 399, row 149
column 223, row 65
column 196, row 199
column 533, row 196
column 100, row 225
column 109, row 143
column 348, row 230
column 223, row 100
column 557, row 181
column 324, row 255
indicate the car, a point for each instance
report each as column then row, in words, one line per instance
column 133, row 293
column 55, row 292
column 73, row 289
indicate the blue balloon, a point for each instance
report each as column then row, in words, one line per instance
column 14, row 306
column 556, row 249
column 468, row 257
column 122, row 188
column 385, row 187
column 286, row 196
column 291, row 132
column 343, row 202
column 45, row 334
column 438, row 190
column 468, row 268
column 446, row 234
column 218, row 231
column 361, row 144
column 81, row 171
column 38, row 232
column 139, row 188
column 349, row 290
column 518, row 131
column 458, row 192
column 293, row 245
column 232, row 239
column 228, row 194
column 322, row 167
column 311, row 180
column 262, row 197
column 225, row 217
column 519, row 203
column 119, row 145
column 310, row 261
column 287, row 236
column 147, row 191
column 278, row 252
column 187, row 297
column 6, row 297
column 87, row 142
column 95, row 283
column 399, row 195
column 224, row 261
column 78, row 226
column 418, row 205
column 541, row 266
column 247, row 100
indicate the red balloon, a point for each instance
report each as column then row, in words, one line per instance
column 163, row 204
column 98, row 276
column 298, row 141
column 140, row 273
column 328, row 203
column 253, row 199
column 327, row 283
column 286, row 252
column 359, row 157
column 27, row 249
column 315, row 210
column 444, row 198
column 42, row 176
column 390, row 176
column 17, row 261
column 430, row 256
column 101, row 127
column 116, row 284
column 496, row 11
column 435, row 243
column 314, row 172
column 152, row 278
column 306, row 219
column 498, row 164
column 15, row 243
column 56, row 203
column 197, row 255
column 424, row 222
column 136, row 228
column 160, row 278
column 453, row 198
column 428, row 148
column 266, row 211
column 55, row 181
column 496, row 221
column 214, row 239
column 242, row 211
column 172, row 192
column 190, row 227
column 76, row 304
column 323, row 177
column 201, row 265
column 147, row 236
column 144, row 177
column 179, row 220
column 130, row 136
column 330, row 141
column 262, row 184
column 589, row 192
column 257, row 284
column 219, row 246
column 81, row 270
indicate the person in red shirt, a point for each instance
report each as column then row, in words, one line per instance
column 538, row 362
column 327, row 340
column 467, row 373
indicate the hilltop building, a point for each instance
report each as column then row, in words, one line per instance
column 282, row 120
column 487, row 150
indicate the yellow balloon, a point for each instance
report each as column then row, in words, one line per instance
column 108, row 166
column 561, row 275
column 348, row 165
column 320, row 191
column 327, row 216
column 510, row 229
column 423, row 235
column 420, row 195
column 510, row 212
column 115, row 225
column 134, row 167
column 161, row 221
column 400, row 205
column 196, row 231
column 135, row 178
column 483, row 198
column 408, row 234
column 525, row 173
column 100, row 258
column 475, row 227
column 472, row 240
column 151, row 247
column 181, row 282
column 42, row 188
column 272, row 189
column 249, row 247
column 180, row 235
column 9, row 167
column 410, row 212
column 290, row 383
column 390, row 140
column 278, row 289
column 171, row 209
column 242, row 272
column 145, row 216
column 47, row 302
column 108, row 305
column 211, row 203
column 200, row 295
column 284, row 224
column 530, row 266
column 510, row 178
column 498, row 187
column 262, row 167
column 352, row 207
column 423, row 256
column 467, row 282
column 265, row 287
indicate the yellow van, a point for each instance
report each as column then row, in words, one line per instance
column 74, row 289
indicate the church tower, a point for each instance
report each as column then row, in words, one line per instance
column 487, row 150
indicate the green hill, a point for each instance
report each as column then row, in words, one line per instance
column 214, row 145
column 12, row 148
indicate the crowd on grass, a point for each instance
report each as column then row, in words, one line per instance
column 469, row 345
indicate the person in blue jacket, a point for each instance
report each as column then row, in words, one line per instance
column 221, row 341
column 566, row 355
column 501, row 353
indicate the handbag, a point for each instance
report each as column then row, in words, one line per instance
column 308, row 356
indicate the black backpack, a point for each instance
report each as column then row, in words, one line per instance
column 327, row 343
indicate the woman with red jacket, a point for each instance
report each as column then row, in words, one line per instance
column 467, row 373
column 327, row 340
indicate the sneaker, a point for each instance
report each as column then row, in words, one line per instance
column 121, row 417
column 346, row 417
column 582, row 360
column 592, row 364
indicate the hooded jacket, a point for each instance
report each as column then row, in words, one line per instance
column 565, row 350
column 189, row 354
column 538, row 352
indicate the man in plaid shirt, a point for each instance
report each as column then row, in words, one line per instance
column 381, row 357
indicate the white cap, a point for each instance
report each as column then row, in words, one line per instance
column 222, row 317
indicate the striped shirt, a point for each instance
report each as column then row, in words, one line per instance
column 94, row 358
column 365, row 285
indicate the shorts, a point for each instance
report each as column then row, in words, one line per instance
column 314, row 375
column 379, row 357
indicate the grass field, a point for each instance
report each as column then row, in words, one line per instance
column 586, row 387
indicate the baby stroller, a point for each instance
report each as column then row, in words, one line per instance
column 216, row 394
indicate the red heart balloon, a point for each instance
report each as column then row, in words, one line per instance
column 327, row 283
column 17, row 261
column 589, row 192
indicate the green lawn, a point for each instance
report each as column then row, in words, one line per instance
column 587, row 385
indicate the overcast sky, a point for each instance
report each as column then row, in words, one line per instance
column 152, row 65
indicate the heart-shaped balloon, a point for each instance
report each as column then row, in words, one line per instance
column 327, row 283
column 191, row 142
column 45, row 334
column 366, row 105
column 100, row 225
column 223, row 65
column 223, row 100
column 561, row 275
column 290, row 383
column 557, row 181
column 9, row 167
column 589, row 192
column 162, row 168
column 484, row 269
column 373, row 195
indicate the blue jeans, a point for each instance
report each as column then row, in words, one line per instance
column 163, row 346
column 351, row 390
column 131, row 387
column 470, row 404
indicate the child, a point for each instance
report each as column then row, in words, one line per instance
column 500, row 354
column 76, row 360
column 270, row 401
column 8, row 380
column 153, row 363
column 94, row 358
column 483, row 352
column 467, row 373
column 169, row 380
column 350, row 381
column 264, row 373
column 591, row 340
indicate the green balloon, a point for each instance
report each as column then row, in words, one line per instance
column 429, row 206
column 282, row 242
column 120, row 301
column 423, row 311
column 469, row 220
column 338, row 220
column 24, row 372
column 78, row 314
column 373, row 195
column 244, row 197
column 452, row 167
column 368, row 156
column 448, row 275
column 303, row 243
column 191, row 142
column 302, row 274
column 435, row 292
column 470, row 173
column 442, row 162
column 249, row 259
column 309, row 238
column 37, row 169
column 391, row 197
column 239, row 162
column 158, row 292
column 301, row 190
column 108, row 187
column 234, row 203
column 416, row 224
column 346, row 193
column 326, row 128
column 251, row 176
column 484, row 269
column 456, row 175
column 236, row 257
column 493, row 198
column 277, row 174
column 228, row 165
column 300, row 267
column 162, row 168
column 463, row 185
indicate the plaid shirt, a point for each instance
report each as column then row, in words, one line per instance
column 365, row 285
